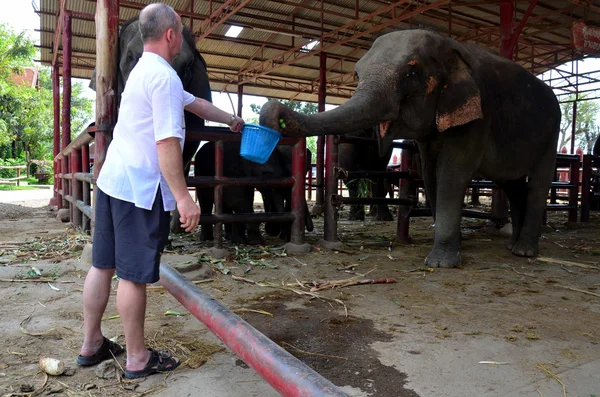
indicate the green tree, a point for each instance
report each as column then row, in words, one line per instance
column 300, row 107
column 586, row 129
column 26, row 113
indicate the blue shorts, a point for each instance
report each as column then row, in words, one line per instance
column 129, row 239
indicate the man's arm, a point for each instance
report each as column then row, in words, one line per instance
column 206, row 110
column 171, row 167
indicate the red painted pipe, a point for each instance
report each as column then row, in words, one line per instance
column 284, row 372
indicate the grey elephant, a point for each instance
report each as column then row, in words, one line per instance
column 359, row 157
column 191, row 69
column 473, row 113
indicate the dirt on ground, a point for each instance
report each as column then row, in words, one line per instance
column 384, row 336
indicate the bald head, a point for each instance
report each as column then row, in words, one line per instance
column 156, row 19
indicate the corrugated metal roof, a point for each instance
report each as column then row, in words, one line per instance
column 274, row 28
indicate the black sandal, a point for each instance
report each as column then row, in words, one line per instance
column 160, row 361
column 107, row 350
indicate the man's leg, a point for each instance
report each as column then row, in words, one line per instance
column 96, row 291
column 131, row 304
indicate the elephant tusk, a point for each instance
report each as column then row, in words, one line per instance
column 383, row 128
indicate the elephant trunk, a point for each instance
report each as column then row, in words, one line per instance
column 360, row 112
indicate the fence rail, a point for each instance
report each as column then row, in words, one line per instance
column 17, row 180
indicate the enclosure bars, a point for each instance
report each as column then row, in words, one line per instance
column 410, row 182
column 572, row 186
column 333, row 173
column 220, row 135
column 77, row 156
column 288, row 375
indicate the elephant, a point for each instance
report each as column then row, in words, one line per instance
column 472, row 113
column 191, row 69
column 240, row 200
column 355, row 157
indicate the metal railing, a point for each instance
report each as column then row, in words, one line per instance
column 73, row 189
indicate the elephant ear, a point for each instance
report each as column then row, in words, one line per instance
column 460, row 99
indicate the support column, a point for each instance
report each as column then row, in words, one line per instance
column 317, row 209
column 56, row 101
column 297, row 244
column 107, row 25
column 66, row 106
column 574, row 127
column 240, row 95
column 330, row 238
column 217, row 251
column 507, row 11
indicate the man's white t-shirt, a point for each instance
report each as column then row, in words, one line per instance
column 151, row 110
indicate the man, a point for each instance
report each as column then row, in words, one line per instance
column 140, row 182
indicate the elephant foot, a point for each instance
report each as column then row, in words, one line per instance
column 272, row 229
column 238, row 239
column 526, row 249
column 206, row 233
column 384, row 215
column 254, row 239
column 356, row 216
column 442, row 258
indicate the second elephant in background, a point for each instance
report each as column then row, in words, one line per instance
column 240, row 200
column 361, row 157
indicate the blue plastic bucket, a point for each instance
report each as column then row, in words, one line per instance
column 258, row 143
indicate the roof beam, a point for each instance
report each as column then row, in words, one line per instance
column 339, row 36
column 216, row 19
column 586, row 4
column 58, row 29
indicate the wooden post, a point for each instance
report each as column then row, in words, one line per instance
column 107, row 19
column 107, row 24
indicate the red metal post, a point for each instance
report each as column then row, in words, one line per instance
column 321, row 139
column 573, row 191
column 56, row 100
column 85, row 186
column 574, row 127
column 330, row 222
column 288, row 375
column 66, row 105
column 298, row 208
column 507, row 11
column 240, row 95
column 404, row 190
column 310, row 182
column 218, row 234
column 586, row 190
column 76, row 188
